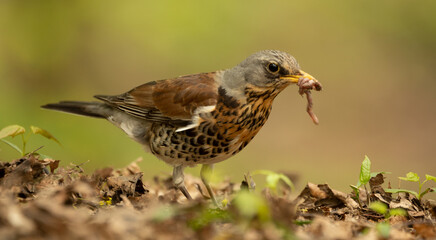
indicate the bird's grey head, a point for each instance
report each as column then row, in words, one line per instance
column 265, row 69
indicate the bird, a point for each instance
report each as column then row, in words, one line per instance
column 201, row 118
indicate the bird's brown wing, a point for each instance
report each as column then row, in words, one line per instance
column 173, row 101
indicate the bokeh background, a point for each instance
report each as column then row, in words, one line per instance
column 375, row 59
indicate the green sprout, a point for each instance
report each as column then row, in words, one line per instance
column 383, row 228
column 364, row 177
column 383, row 209
column 16, row 130
column 273, row 179
column 251, row 205
column 413, row 177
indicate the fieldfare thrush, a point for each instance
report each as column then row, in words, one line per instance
column 201, row 118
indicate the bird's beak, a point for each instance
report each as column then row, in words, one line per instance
column 296, row 77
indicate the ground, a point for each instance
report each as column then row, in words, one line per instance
column 39, row 200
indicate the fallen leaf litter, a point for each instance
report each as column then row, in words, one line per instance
column 38, row 200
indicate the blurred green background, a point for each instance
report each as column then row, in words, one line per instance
column 375, row 59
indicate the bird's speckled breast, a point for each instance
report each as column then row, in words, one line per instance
column 221, row 133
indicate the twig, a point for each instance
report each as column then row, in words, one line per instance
column 34, row 151
column 79, row 166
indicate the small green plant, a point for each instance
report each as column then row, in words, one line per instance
column 364, row 177
column 16, row 130
column 208, row 216
column 383, row 228
column 251, row 205
column 413, row 177
column 273, row 179
column 383, row 209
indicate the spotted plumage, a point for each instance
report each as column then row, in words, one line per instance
column 198, row 119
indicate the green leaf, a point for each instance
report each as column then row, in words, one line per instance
column 13, row 146
column 393, row 190
column 355, row 189
column 383, row 229
column 373, row 174
column 358, row 184
column 357, row 192
column 272, row 179
column 251, row 205
column 430, row 178
column 288, row 181
column 46, row 134
column 365, row 171
column 379, row 207
column 397, row 212
column 411, row 177
column 43, row 156
column 11, row 131
column 425, row 192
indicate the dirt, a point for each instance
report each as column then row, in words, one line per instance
column 40, row 200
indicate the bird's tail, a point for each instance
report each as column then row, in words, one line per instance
column 90, row 109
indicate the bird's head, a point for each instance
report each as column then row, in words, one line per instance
column 265, row 70
column 271, row 69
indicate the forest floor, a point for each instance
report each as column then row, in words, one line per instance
column 39, row 200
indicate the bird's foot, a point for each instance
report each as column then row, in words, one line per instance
column 179, row 181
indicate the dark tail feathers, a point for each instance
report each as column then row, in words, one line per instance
column 90, row 109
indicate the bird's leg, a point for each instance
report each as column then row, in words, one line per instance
column 179, row 181
column 205, row 173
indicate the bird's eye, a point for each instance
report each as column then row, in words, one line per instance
column 273, row 68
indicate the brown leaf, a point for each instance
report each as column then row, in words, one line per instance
column 282, row 210
column 377, row 191
column 21, row 171
column 346, row 199
column 416, row 214
column 131, row 186
column 401, row 202
column 248, row 183
column 397, row 220
column 431, row 205
column 319, row 196
column 427, row 231
column 102, row 174
column 376, row 181
column 54, row 165
column 325, row 228
column 380, row 198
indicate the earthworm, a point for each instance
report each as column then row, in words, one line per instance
column 306, row 85
column 309, row 108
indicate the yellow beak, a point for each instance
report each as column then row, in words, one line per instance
column 295, row 78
